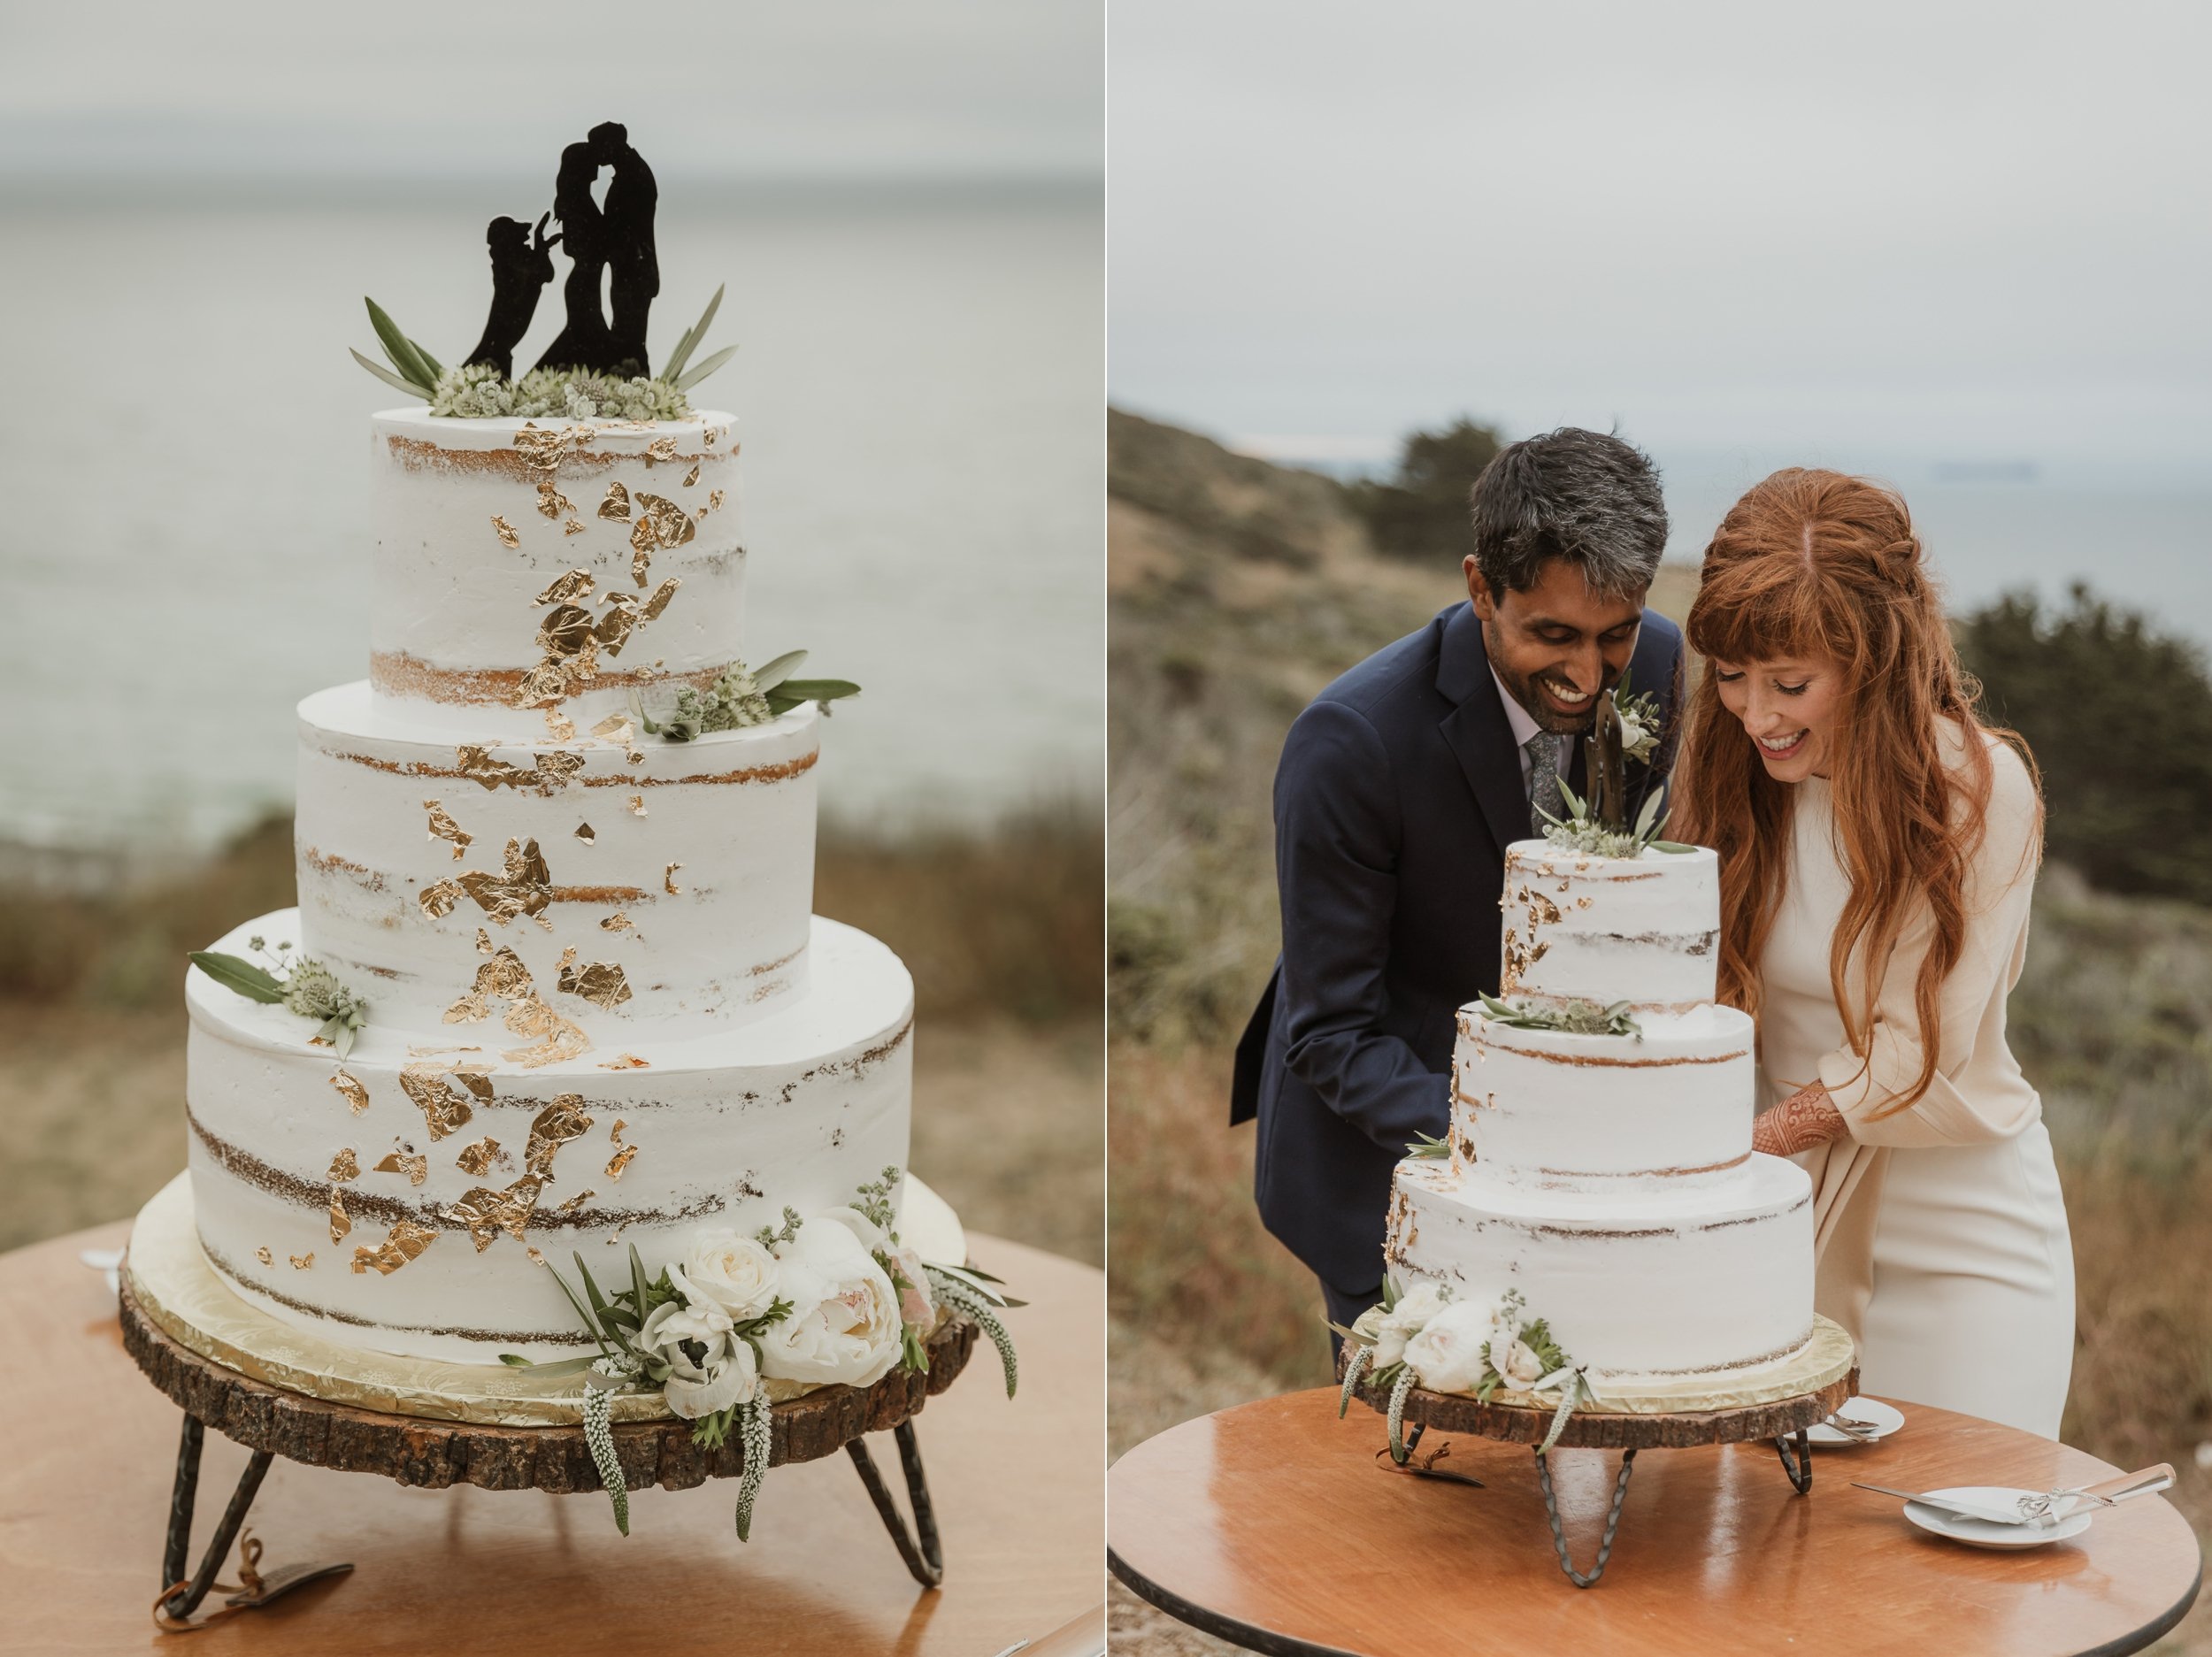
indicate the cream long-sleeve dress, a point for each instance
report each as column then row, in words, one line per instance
column 1940, row 1231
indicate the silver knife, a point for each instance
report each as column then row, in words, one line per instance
column 1964, row 1510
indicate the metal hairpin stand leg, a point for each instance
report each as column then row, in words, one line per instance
column 177, row 1545
column 924, row 1559
column 1799, row 1465
column 1612, row 1519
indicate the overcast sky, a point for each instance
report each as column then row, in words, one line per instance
column 873, row 88
column 1965, row 230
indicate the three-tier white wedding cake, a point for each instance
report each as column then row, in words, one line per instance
column 600, row 1009
column 1608, row 1177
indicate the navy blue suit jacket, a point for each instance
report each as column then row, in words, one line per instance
column 1399, row 790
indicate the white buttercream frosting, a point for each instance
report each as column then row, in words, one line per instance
column 1642, row 929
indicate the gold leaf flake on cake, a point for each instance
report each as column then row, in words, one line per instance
column 559, row 726
column 443, row 1110
column 478, row 765
column 618, row 922
column 668, row 880
column 616, row 507
column 601, row 983
column 714, row 499
column 698, row 514
column 556, row 1040
column 565, row 589
column 551, row 502
column 659, row 602
column 340, row 1222
column 614, row 1134
column 263, row 1254
column 637, row 805
column 417, row 1168
column 486, row 1212
column 477, row 1084
column 565, row 630
column 576, row 1201
column 625, row 1061
column 555, row 770
column 537, row 1256
column 442, row 827
column 620, row 1160
column 612, row 630
column 640, row 561
column 525, row 888
column 544, row 450
column 615, row 727
column 691, row 477
column 661, row 522
column 438, row 899
column 586, row 833
column 400, row 1244
column 344, row 1166
column 660, row 449
column 302, row 1263
column 476, row 1160
column 711, row 436
column 563, row 1120
column 508, row 537
column 356, row 1096
column 574, row 527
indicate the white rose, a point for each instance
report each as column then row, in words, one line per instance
column 1515, row 1361
column 724, row 1374
column 844, row 1323
column 1390, row 1330
column 1449, row 1353
column 736, row 1273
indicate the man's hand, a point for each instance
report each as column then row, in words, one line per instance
column 1805, row 1119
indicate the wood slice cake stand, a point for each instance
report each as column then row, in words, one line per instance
column 180, row 1334
column 1784, row 1404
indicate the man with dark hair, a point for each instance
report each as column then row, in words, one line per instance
column 1399, row 789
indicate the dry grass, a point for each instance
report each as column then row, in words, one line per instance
column 1003, row 933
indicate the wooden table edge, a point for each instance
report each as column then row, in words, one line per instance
column 1250, row 1636
column 2157, row 1630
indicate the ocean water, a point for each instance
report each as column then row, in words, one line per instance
column 184, row 548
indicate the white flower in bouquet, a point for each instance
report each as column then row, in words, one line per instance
column 1387, row 1331
column 1515, row 1360
column 1452, row 1348
column 725, row 1374
column 844, row 1324
column 736, row 1273
column 910, row 1278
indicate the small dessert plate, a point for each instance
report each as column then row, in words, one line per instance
column 1884, row 1418
column 1984, row 1532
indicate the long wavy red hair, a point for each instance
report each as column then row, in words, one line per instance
column 1813, row 563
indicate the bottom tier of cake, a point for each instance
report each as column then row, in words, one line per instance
column 408, row 1198
column 1642, row 1287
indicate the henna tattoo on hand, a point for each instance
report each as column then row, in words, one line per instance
column 1805, row 1119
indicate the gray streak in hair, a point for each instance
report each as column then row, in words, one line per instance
column 1581, row 495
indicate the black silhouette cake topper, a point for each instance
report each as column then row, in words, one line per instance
column 610, row 247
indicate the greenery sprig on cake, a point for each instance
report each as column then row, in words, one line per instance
column 298, row 985
column 1627, row 727
column 480, row 391
column 1574, row 1018
column 741, row 697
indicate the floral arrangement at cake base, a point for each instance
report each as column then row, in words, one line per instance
column 835, row 1300
column 1429, row 1337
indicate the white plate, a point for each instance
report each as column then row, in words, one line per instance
column 1985, row 1533
column 1884, row 1418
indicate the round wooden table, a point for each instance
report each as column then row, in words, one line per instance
column 1018, row 1487
column 1274, row 1526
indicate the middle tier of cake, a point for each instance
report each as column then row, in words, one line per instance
column 664, row 886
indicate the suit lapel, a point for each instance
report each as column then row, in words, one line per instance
column 1476, row 730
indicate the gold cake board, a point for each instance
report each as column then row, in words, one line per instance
column 175, row 1288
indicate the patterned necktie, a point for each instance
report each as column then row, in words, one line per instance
column 1543, row 781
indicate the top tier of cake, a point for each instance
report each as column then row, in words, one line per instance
column 1641, row 930
column 524, row 564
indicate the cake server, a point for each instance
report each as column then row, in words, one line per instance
column 2106, row 1493
column 1964, row 1510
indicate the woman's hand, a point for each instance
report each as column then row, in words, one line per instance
column 1805, row 1119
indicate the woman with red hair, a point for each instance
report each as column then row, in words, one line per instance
column 1878, row 846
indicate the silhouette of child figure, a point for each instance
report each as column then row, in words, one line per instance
column 522, row 264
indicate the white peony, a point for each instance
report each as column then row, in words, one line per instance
column 725, row 1374
column 1388, row 1332
column 1449, row 1352
column 736, row 1273
column 844, row 1323
column 916, row 1304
